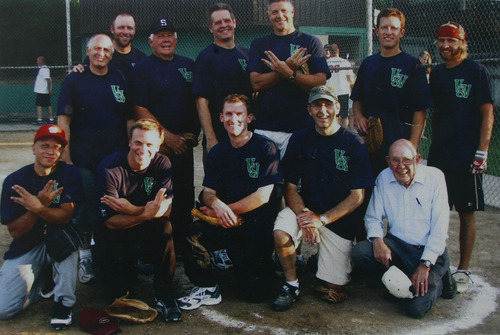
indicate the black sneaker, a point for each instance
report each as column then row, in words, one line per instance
column 449, row 286
column 169, row 309
column 61, row 316
column 288, row 295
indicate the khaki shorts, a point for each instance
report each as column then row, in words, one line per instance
column 334, row 255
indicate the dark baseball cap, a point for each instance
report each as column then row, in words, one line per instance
column 162, row 24
column 323, row 92
column 97, row 322
column 51, row 130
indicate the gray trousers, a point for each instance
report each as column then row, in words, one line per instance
column 21, row 280
column 407, row 258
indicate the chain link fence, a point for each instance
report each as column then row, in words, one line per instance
column 348, row 23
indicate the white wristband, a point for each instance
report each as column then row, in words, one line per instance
column 481, row 154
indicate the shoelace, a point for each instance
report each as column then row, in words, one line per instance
column 224, row 256
column 467, row 273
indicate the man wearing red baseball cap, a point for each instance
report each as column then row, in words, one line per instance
column 463, row 123
column 34, row 199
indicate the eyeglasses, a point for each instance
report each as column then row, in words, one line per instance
column 405, row 160
column 317, row 105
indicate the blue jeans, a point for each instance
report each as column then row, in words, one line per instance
column 21, row 280
column 407, row 258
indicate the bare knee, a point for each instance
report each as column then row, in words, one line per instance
column 282, row 239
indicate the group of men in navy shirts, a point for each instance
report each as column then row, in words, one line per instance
column 127, row 124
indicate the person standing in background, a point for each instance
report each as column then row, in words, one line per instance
column 341, row 81
column 43, row 90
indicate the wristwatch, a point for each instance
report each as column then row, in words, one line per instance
column 426, row 262
column 293, row 76
column 323, row 220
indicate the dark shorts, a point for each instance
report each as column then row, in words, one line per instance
column 465, row 190
column 43, row 100
column 344, row 105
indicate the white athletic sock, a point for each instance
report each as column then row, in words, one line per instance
column 294, row 283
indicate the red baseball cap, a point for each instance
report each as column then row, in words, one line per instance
column 51, row 130
column 97, row 322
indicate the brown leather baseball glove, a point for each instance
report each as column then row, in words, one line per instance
column 375, row 134
column 195, row 212
column 131, row 310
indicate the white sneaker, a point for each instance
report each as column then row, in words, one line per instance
column 200, row 296
column 463, row 279
column 221, row 260
column 85, row 271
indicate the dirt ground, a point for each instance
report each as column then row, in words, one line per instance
column 365, row 312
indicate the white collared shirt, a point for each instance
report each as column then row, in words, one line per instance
column 418, row 215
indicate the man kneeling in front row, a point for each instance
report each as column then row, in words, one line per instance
column 414, row 201
column 333, row 168
column 241, row 176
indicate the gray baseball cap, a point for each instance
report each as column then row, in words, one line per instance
column 323, row 92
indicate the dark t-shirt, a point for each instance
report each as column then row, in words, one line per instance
column 235, row 173
column 283, row 107
column 218, row 73
column 459, row 93
column 65, row 175
column 392, row 88
column 328, row 167
column 165, row 89
column 99, row 108
column 116, row 179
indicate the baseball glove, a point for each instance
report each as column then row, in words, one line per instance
column 374, row 135
column 195, row 212
column 191, row 139
column 131, row 310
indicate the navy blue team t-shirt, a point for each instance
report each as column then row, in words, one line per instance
column 328, row 168
column 99, row 108
column 218, row 73
column 392, row 88
column 165, row 89
column 65, row 175
column 283, row 107
column 235, row 173
column 458, row 93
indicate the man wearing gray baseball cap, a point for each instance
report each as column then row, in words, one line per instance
column 323, row 157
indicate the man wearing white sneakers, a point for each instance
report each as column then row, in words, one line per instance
column 241, row 174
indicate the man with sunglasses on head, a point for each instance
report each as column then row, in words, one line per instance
column 412, row 199
column 462, row 127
